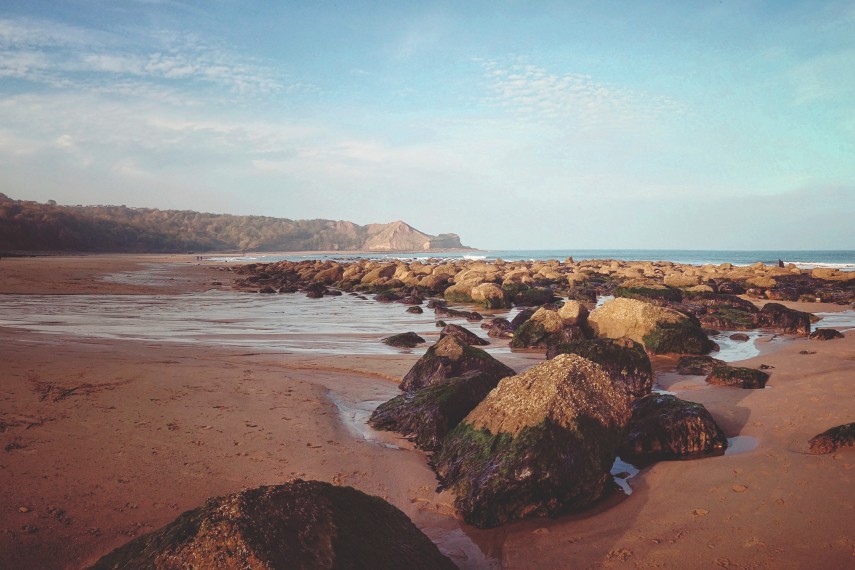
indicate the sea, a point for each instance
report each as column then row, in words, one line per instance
column 843, row 260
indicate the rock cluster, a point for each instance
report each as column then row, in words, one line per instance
column 301, row 525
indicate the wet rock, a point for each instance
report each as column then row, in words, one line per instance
column 301, row 525
column 697, row 365
column 426, row 415
column 474, row 317
column 666, row 427
column 748, row 378
column 649, row 292
column 521, row 317
column 624, row 359
column 315, row 290
column 730, row 287
column 660, row 329
column 782, row 319
column 490, row 296
column 499, row 328
column 448, row 358
column 403, row 340
column 574, row 313
column 739, row 337
column 540, row 444
column 825, row 334
column 831, row 440
column 267, row 290
column 542, row 329
column 387, row 297
column 463, row 334
column 533, row 296
column 415, row 309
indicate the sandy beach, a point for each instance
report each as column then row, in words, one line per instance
column 107, row 439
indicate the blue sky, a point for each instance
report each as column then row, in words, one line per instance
column 518, row 125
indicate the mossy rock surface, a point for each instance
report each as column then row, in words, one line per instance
column 624, row 359
column 666, row 427
column 684, row 337
column 782, row 319
column 448, row 358
column 738, row 376
column 652, row 294
column 697, row 365
column 540, row 444
column 300, row 525
column 831, row 440
column 728, row 318
column 534, row 296
column 425, row 416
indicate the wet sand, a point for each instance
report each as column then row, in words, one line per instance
column 105, row 439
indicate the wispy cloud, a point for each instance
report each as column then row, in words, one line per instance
column 533, row 93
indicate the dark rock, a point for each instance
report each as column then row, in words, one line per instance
column 748, row 378
column 625, row 360
column 434, row 303
column 739, row 337
column 825, row 334
column 533, row 296
column 521, row 317
column 650, row 294
column 697, row 365
column 315, row 290
column 780, row 318
column 499, row 328
column 582, row 294
column 403, row 340
column 540, row 444
column 301, row 525
column 463, row 334
column 685, row 337
column 410, row 300
column 666, row 427
column 387, row 297
column 441, row 324
column 427, row 415
column 730, row 288
column 831, row 440
column 448, row 358
column 331, row 293
column 474, row 317
column 267, row 290
column 783, row 294
column 415, row 309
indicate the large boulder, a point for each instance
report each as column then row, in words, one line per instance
column 544, row 328
column 541, row 443
column 574, row 313
column 624, row 359
column 490, row 296
column 300, row 525
column 463, row 334
column 748, row 378
column 426, row 415
column 660, row 329
column 666, row 427
column 780, row 318
column 448, row 358
column 831, row 440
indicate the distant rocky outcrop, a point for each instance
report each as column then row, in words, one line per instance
column 31, row 226
column 300, row 525
column 541, row 443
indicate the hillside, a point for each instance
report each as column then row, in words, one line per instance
column 31, row 226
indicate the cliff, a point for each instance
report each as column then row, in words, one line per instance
column 31, row 226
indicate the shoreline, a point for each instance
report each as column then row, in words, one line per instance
column 150, row 429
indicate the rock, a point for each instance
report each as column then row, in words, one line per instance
column 521, row 317
column 441, row 324
column 387, row 297
column 761, row 282
column 748, row 378
column 448, row 358
column 301, row 525
column 826, row 334
column 624, row 360
column 426, row 415
column 268, row 289
column 459, row 293
column 533, row 296
column 541, row 330
column 463, row 334
column 665, row 427
column 831, row 440
column 782, row 319
column 541, row 443
column 315, row 290
column 648, row 291
column 378, row 273
column 474, row 317
column 697, row 365
column 490, row 296
column 500, row 328
column 403, row 340
column 415, row 309
column 660, row 329
column 573, row 313
column 730, row 288
column 739, row 337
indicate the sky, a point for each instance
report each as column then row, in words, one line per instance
column 518, row 125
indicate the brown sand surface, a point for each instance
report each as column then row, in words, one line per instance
column 106, row 440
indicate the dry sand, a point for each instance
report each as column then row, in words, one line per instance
column 106, row 440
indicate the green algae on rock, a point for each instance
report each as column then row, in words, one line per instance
column 540, row 444
column 624, row 359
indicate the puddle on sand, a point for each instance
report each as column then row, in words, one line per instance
column 622, row 472
column 740, row 444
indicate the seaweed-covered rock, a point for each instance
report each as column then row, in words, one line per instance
column 665, row 427
column 624, row 359
column 427, row 415
column 541, row 443
column 499, row 328
column 729, row 319
column 660, row 329
column 521, row 317
column 825, row 334
column 403, row 340
column 748, row 378
column 537, row 332
column 490, row 296
column 831, row 440
column 697, row 365
column 780, row 318
column 651, row 292
column 463, row 334
column 451, row 357
column 533, row 296
column 300, row 525
column 387, row 297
